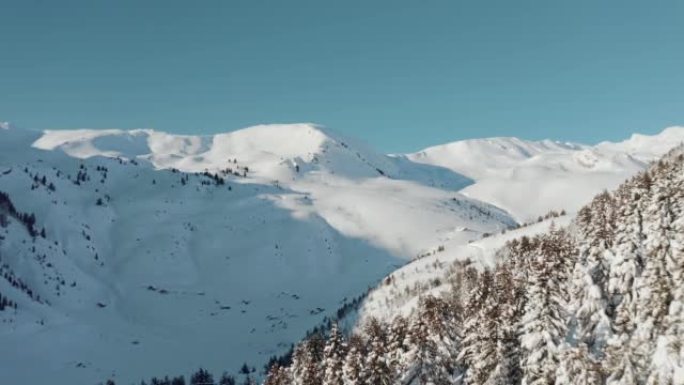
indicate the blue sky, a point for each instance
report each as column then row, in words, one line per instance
column 400, row 75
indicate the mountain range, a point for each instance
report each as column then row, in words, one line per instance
column 130, row 253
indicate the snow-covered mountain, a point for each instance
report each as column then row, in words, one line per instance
column 507, row 171
column 598, row 299
column 134, row 253
column 123, row 261
column 273, row 152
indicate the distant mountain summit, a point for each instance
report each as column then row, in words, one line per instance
column 273, row 151
column 528, row 178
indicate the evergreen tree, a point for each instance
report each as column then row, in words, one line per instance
column 278, row 375
column 376, row 371
column 543, row 322
column 477, row 353
column 507, row 367
column 664, row 252
column 397, row 346
column 577, row 367
column 353, row 370
column 623, row 358
column 305, row 365
column 589, row 305
column 333, row 357
column 622, row 361
column 201, row 377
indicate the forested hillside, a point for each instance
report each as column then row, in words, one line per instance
column 598, row 302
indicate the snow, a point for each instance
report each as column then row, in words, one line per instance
column 507, row 171
column 195, row 273
column 385, row 302
column 170, row 276
column 390, row 202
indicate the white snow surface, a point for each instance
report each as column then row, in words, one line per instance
column 170, row 275
column 172, row 272
column 429, row 274
column 528, row 178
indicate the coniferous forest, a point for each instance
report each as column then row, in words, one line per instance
column 599, row 302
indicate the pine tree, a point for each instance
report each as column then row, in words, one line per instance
column 623, row 360
column 665, row 257
column 397, row 346
column 278, row 375
column 353, row 369
column 376, row 371
column 590, row 276
column 543, row 322
column 201, row 377
column 670, row 346
column 655, row 285
column 306, row 364
column 507, row 367
column 589, row 305
column 333, row 357
column 444, row 342
column 577, row 367
column 477, row 353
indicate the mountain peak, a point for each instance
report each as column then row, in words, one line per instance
column 647, row 147
column 270, row 151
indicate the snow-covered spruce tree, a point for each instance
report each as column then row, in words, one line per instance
column 592, row 326
column 670, row 347
column 624, row 359
column 544, row 319
column 278, row 375
column 398, row 346
column 417, row 354
column 375, row 370
column 432, row 344
column 629, row 258
column 590, row 277
column 477, row 352
column 517, row 252
column 306, row 363
column 353, row 372
column 333, row 357
column 664, row 262
column 441, row 323
column 655, row 285
column 507, row 369
column 578, row 367
column 596, row 225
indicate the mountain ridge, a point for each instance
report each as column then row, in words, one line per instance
column 164, row 236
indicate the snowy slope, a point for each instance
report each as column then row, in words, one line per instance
column 507, row 171
column 148, row 270
column 165, row 252
column 386, row 200
column 399, row 295
column 272, row 152
column 593, row 300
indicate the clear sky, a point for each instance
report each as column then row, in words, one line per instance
column 400, row 75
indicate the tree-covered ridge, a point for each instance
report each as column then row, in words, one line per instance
column 600, row 302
